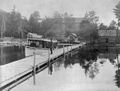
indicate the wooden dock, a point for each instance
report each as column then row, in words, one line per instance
column 16, row 72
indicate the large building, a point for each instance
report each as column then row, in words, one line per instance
column 62, row 25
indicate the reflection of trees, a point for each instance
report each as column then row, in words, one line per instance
column 70, row 61
column 112, row 61
column 93, row 70
column 110, row 56
column 87, row 59
column 117, row 78
column 50, row 69
column 58, row 64
column 117, row 75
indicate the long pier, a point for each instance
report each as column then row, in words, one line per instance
column 16, row 72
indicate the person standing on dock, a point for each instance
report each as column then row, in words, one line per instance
column 51, row 46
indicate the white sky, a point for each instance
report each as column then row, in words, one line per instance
column 103, row 8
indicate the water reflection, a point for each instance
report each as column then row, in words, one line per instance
column 91, row 60
column 11, row 53
column 117, row 75
column 117, row 78
column 50, row 68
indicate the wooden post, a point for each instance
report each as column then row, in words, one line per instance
column 51, row 47
column 67, row 48
column 48, row 60
column 48, row 55
column 64, row 52
column 71, row 50
column 34, row 69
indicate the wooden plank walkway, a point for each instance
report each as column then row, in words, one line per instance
column 12, row 72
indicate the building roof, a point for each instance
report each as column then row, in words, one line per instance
column 33, row 35
column 74, row 34
column 42, row 39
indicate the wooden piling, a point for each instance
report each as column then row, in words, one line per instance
column 48, row 60
column 64, row 52
column 71, row 51
column 34, row 68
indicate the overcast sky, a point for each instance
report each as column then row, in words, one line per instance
column 103, row 8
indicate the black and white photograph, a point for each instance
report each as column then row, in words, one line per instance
column 59, row 45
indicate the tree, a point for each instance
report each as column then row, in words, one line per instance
column 103, row 27
column 34, row 22
column 88, row 30
column 67, row 33
column 3, row 19
column 91, row 16
column 112, row 25
column 57, row 15
column 25, row 26
column 117, row 10
column 46, row 26
column 13, row 24
column 89, row 26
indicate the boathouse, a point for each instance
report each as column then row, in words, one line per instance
column 35, row 40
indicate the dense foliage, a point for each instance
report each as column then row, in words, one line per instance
column 17, row 26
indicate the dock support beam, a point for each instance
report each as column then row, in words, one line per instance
column 48, row 61
column 71, row 51
column 34, row 68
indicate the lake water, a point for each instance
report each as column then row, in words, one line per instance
column 11, row 53
column 92, row 69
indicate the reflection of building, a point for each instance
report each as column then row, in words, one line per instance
column 108, row 55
